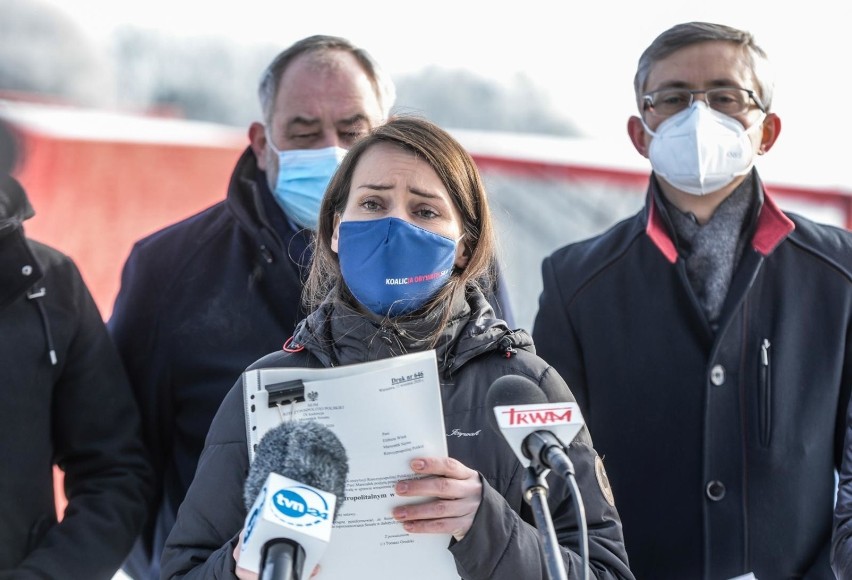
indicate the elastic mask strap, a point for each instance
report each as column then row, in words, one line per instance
column 757, row 123
column 647, row 128
column 269, row 141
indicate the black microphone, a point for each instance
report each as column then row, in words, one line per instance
column 293, row 490
column 539, row 431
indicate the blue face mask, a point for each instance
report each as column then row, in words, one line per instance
column 391, row 266
column 303, row 175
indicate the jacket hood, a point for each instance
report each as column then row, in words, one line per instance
column 338, row 334
column 15, row 207
column 19, row 268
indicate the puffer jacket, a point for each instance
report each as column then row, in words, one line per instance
column 64, row 399
column 473, row 351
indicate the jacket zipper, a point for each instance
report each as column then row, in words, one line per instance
column 36, row 295
column 765, row 394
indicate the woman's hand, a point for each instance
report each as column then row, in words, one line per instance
column 242, row 573
column 456, row 491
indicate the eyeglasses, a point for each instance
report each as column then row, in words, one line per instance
column 731, row 101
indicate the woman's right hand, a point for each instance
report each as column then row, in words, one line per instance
column 242, row 573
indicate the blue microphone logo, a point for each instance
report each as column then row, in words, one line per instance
column 300, row 506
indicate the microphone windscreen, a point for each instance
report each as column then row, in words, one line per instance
column 512, row 390
column 304, row 451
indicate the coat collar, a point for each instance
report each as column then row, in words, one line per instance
column 772, row 226
column 338, row 334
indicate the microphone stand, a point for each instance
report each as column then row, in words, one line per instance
column 535, row 494
column 546, row 451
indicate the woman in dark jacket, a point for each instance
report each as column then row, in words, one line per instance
column 409, row 196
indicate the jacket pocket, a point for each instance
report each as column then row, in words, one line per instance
column 764, row 390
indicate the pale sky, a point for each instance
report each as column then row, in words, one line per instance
column 581, row 54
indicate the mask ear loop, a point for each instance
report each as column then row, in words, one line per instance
column 758, row 122
column 269, row 141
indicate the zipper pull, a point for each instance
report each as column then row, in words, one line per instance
column 764, row 352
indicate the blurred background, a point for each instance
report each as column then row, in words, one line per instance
column 536, row 66
column 132, row 113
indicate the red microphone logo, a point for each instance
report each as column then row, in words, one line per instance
column 518, row 416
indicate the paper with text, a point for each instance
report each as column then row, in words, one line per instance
column 385, row 413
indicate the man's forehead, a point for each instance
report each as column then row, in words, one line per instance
column 315, row 74
column 703, row 65
column 332, row 93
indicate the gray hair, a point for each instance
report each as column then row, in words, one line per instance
column 689, row 33
column 269, row 80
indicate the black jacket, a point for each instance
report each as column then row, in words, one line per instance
column 200, row 300
column 64, row 399
column 473, row 352
column 841, row 544
column 721, row 447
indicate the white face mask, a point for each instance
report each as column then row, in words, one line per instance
column 700, row 150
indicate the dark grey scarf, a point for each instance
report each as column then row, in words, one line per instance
column 712, row 251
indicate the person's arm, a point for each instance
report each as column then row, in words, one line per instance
column 554, row 337
column 202, row 541
column 841, row 541
column 97, row 443
column 134, row 325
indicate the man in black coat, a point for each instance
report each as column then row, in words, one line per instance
column 707, row 338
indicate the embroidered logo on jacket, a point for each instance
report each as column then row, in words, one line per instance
column 460, row 433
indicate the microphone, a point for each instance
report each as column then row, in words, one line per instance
column 293, row 490
column 537, row 431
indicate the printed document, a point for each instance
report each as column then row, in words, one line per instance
column 385, row 413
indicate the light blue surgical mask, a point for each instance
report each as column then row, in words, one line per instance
column 393, row 267
column 303, row 175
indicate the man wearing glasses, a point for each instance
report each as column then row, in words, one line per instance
column 707, row 338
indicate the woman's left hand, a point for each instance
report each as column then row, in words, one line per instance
column 456, row 491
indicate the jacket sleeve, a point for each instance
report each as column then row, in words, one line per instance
column 554, row 337
column 841, row 542
column 97, row 443
column 503, row 545
column 211, row 516
column 133, row 326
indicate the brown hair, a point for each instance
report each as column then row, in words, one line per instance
column 459, row 175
